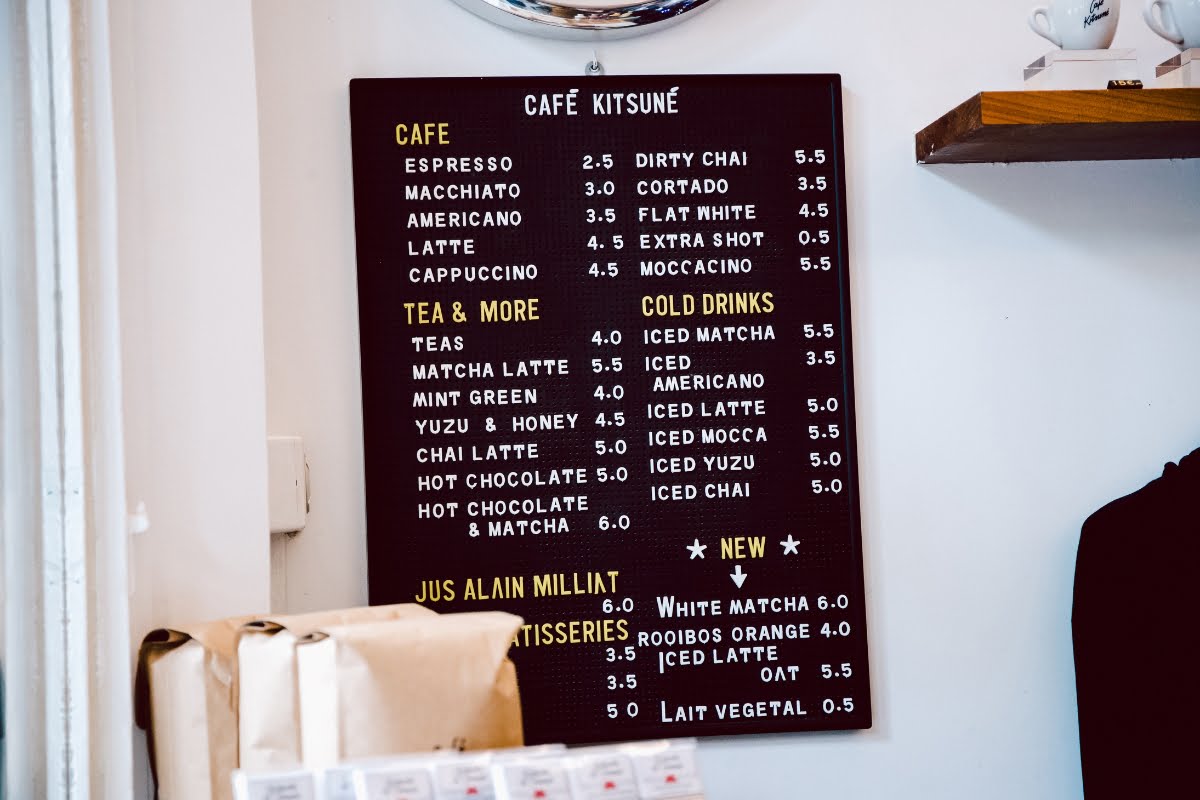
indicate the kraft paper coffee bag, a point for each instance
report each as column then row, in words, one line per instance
column 268, row 709
column 408, row 685
column 186, row 701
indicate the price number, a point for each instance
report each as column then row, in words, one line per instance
column 824, row 432
column 814, row 237
column 806, row 184
column 831, row 706
column 618, row 447
column 831, row 487
column 618, row 522
column 813, row 358
column 816, row 406
column 613, row 364
column 598, row 162
column 840, row 601
column 832, row 459
column 612, row 654
column 825, row 331
column 616, row 419
column 599, row 188
column 606, row 215
column 631, row 710
column 831, row 671
column 610, row 606
column 818, row 210
column 608, row 270
column 604, row 475
column 830, row 630
column 609, row 393
column 810, row 157
column 629, row 681
column 618, row 241
column 822, row 264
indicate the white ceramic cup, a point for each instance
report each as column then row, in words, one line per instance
column 1177, row 21
column 1077, row 24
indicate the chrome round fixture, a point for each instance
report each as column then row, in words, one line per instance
column 584, row 20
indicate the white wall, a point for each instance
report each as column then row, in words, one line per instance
column 1025, row 345
column 191, row 305
column 191, row 308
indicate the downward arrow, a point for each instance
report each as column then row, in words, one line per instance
column 738, row 576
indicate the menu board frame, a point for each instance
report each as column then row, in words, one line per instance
column 586, row 172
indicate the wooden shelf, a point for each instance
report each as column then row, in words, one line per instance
column 1100, row 125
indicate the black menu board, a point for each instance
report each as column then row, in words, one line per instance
column 607, row 386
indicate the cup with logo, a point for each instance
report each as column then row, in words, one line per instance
column 1077, row 24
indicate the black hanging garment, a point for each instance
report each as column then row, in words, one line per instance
column 1136, row 629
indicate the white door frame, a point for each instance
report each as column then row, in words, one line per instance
column 66, row 648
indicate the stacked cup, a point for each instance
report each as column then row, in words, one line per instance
column 1177, row 21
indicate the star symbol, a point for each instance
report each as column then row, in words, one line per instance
column 789, row 545
column 697, row 549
